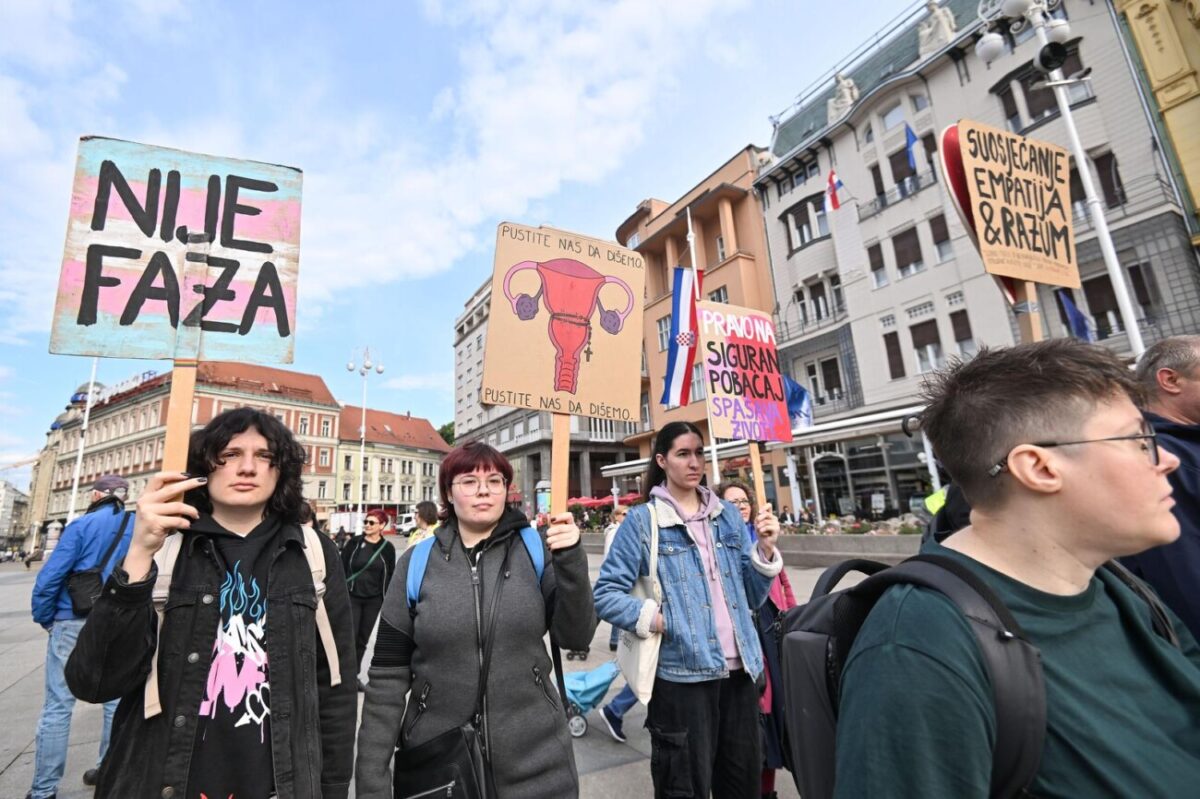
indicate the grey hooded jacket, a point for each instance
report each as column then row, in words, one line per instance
column 433, row 651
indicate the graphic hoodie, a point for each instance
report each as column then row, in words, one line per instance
column 231, row 756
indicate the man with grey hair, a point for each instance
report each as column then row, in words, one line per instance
column 1170, row 373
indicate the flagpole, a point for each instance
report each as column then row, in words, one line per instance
column 712, row 440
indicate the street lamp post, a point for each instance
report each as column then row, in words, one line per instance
column 363, row 368
column 1051, row 33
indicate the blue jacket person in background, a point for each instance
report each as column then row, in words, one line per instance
column 82, row 545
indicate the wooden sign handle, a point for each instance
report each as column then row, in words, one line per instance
column 756, row 472
column 560, row 460
column 1029, row 315
column 179, row 415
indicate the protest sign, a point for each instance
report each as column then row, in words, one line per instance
column 129, row 287
column 1020, row 203
column 742, row 379
column 564, row 332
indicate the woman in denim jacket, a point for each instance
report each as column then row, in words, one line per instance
column 703, row 715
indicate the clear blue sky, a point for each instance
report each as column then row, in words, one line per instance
column 418, row 126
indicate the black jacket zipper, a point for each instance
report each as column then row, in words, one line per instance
column 422, row 704
column 541, row 683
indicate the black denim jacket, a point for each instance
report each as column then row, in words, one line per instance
column 312, row 723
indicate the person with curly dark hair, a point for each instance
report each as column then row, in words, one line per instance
column 256, row 709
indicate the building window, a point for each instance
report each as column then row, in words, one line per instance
column 962, row 333
column 720, row 249
column 783, row 188
column 303, row 425
column 820, row 305
column 346, row 492
column 535, row 423
column 954, row 298
column 326, row 428
column 868, row 135
column 349, row 463
column 835, row 287
column 322, row 489
column 893, row 116
column 698, row 388
column 720, row 295
column 879, row 277
column 664, row 333
column 363, row 492
column 831, row 375
column 891, row 343
column 822, row 220
column 908, row 253
column 917, row 311
column 323, row 457
column 1012, row 117
column 801, row 303
column 941, row 238
column 633, row 241
column 927, row 346
column 887, row 321
column 799, row 229
column 1110, row 180
column 919, row 102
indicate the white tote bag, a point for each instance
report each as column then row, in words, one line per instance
column 638, row 657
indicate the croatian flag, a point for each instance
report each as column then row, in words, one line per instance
column 681, row 350
column 831, row 190
column 910, row 141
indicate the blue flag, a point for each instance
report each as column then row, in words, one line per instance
column 910, row 139
column 799, row 403
column 1081, row 326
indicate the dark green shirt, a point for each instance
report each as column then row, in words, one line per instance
column 1122, row 705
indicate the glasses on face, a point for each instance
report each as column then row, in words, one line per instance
column 470, row 485
column 741, row 503
column 371, row 522
column 1149, row 446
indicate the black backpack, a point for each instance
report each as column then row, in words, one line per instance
column 816, row 638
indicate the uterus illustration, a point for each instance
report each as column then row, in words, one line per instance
column 571, row 293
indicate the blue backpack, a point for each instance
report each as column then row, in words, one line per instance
column 420, row 559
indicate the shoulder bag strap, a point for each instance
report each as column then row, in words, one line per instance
column 654, row 552
column 112, row 547
column 370, row 560
column 1158, row 612
column 489, row 633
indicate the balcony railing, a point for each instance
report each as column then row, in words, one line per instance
column 789, row 326
column 1139, row 194
column 901, row 191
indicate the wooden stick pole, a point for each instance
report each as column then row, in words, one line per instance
column 560, row 460
column 179, row 415
column 1029, row 315
column 756, row 472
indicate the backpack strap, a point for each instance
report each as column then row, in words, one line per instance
column 416, row 571
column 1158, row 612
column 315, row 555
column 536, row 549
column 1012, row 662
column 164, row 559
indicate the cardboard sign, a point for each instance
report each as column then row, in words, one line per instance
column 128, row 287
column 564, row 325
column 742, row 380
column 1021, row 204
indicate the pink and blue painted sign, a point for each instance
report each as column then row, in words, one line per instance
column 742, row 380
column 171, row 254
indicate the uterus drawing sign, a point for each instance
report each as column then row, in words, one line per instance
column 570, row 290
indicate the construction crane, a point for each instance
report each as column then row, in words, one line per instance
column 20, row 463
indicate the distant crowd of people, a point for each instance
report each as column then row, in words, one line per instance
column 225, row 636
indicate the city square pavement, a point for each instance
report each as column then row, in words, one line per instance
column 607, row 768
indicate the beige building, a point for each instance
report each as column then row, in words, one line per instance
column 400, row 466
column 888, row 287
column 1166, row 37
column 127, row 430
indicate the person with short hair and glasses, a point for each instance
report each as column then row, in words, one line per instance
column 1062, row 475
column 369, row 562
column 425, row 671
column 1170, row 374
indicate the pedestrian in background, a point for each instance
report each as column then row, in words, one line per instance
column 1170, row 375
column 369, row 561
column 703, row 713
column 103, row 530
column 779, row 599
column 618, row 516
column 427, row 522
column 436, row 648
